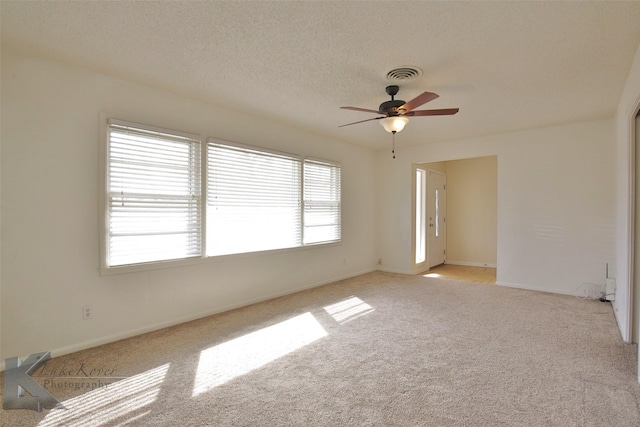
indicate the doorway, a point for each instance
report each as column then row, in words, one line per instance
column 467, row 213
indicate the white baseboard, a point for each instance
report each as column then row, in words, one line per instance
column 471, row 264
column 61, row 351
column 536, row 288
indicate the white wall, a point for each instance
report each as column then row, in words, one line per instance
column 472, row 211
column 556, row 193
column 50, row 133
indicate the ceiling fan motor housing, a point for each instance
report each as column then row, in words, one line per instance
column 390, row 108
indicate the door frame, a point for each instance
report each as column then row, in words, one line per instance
column 632, row 282
column 625, row 322
column 634, row 253
column 422, row 266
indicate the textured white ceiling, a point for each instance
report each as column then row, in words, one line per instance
column 506, row 65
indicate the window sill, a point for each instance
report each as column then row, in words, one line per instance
column 158, row 265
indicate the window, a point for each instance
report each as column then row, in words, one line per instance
column 253, row 199
column 322, row 220
column 153, row 195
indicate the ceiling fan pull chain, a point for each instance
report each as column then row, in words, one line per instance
column 393, row 149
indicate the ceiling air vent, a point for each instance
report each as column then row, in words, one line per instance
column 403, row 74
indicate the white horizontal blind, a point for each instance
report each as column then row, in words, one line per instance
column 253, row 199
column 322, row 202
column 154, row 195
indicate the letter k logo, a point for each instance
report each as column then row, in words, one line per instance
column 17, row 380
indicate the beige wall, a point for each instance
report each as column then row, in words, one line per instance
column 472, row 211
column 438, row 166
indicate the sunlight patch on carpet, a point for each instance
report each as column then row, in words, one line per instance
column 348, row 309
column 237, row 357
column 119, row 402
column 436, row 275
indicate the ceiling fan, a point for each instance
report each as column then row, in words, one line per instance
column 396, row 113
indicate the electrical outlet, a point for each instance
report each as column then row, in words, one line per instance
column 87, row 312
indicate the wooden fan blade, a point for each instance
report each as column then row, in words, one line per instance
column 361, row 109
column 362, row 121
column 418, row 101
column 442, row 112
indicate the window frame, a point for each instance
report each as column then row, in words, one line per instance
column 105, row 269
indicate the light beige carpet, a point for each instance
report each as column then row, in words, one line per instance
column 376, row 350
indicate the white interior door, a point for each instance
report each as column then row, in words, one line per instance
column 436, row 217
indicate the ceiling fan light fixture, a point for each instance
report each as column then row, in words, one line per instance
column 394, row 124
